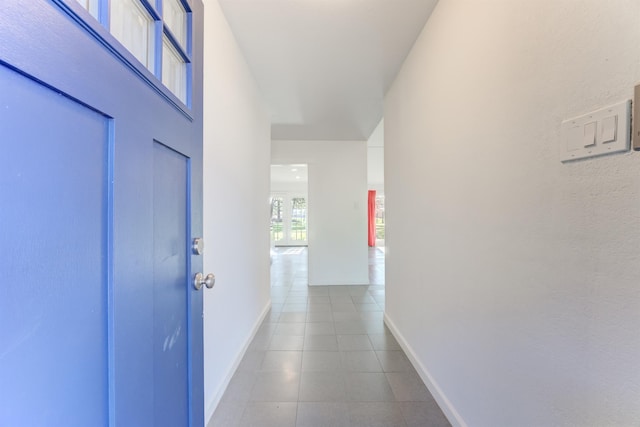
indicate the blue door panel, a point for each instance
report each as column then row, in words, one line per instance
column 53, row 247
column 82, row 125
column 170, row 289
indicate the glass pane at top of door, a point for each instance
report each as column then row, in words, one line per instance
column 174, row 70
column 175, row 18
column 299, row 219
column 277, row 233
column 133, row 26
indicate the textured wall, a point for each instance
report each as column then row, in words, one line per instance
column 237, row 143
column 513, row 279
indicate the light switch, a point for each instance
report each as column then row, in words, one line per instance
column 589, row 136
column 600, row 132
column 574, row 139
column 609, row 127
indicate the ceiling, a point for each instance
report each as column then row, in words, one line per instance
column 323, row 66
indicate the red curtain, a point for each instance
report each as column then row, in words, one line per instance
column 372, row 218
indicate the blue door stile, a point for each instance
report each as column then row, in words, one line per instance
column 100, row 197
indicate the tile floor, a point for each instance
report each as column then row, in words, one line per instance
column 324, row 358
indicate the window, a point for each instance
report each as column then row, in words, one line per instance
column 299, row 219
column 134, row 27
column 174, row 70
column 175, row 18
column 160, row 43
column 277, row 233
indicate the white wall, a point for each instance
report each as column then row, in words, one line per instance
column 289, row 187
column 236, row 204
column 375, row 159
column 513, row 279
column 337, row 190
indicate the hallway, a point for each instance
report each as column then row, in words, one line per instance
column 323, row 357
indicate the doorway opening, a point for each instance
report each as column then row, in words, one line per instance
column 289, row 205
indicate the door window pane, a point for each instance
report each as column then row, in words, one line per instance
column 91, row 6
column 299, row 219
column 174, row 70
column 175, row 17
column 277, row 219
column 132, row 25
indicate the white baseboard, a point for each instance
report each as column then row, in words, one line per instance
column 213, row 404
column 449, row 411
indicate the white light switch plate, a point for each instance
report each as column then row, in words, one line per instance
column 577, row 141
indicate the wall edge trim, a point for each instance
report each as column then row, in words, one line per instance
column 213, row 404
column 445, row 404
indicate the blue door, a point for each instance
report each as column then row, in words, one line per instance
column 100, row 200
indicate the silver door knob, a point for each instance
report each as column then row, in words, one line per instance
column 199, row 279
column 210, row 280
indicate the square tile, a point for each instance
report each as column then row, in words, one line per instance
column 323, row 414
column 267, row 328
column 376, row 414
column 271, row 414
column 319, row 299
column 318, row 290
column 320, row 316
column 273, row 316
column 290, row 329
column 321, row 361
column 260, row 342
column 346, row 316
column 384, row 342
column 363, row 299
column 281, row 361
column 419, row 414
column 408, row 387
column 296, row 299
column 368, row 307
column 358, row 290
column 354, row 343
column 251, row 361
column 291, row 308
column 338, row 290
column 322, row 387
column 277, row 307
column 350, row 327
column 276, row 387
column 321, row 343
column 372, row 315
column 394, row 361
column 227, row 414
column 320, row 328
column 344, row 308
column 375, row 327
column 314, row 308
column 380, row 299
column 341, row 299
column 360, row 361
column 240, row 387
column 293, row 317
column 368, row 387
column 286, row 342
